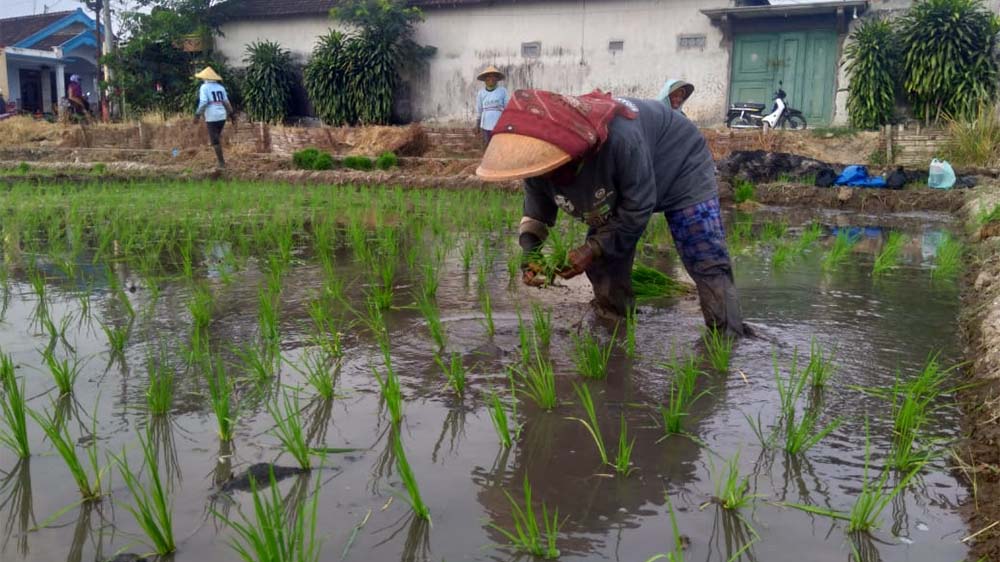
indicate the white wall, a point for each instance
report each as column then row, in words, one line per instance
column 297, row 34
column 575, row 57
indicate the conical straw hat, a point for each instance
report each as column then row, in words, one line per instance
column 490, row 70
column 511, row 156
column 208, row 74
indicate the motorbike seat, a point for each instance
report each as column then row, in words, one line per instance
column 748, row 105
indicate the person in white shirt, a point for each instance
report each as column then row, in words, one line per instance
column 213, row 101
column 490, row 101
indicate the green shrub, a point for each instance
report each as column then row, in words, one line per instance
column 358, row 163
column 386, row 160
column 872, row 63
column 267, row 90
column 744, row 191
column 305, row 159
column 323, row 161
column 23, row 168
column 99, row 169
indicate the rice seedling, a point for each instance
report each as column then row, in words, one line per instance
column 842, row 246
column 539, row 379
column 677, row 553
column 743, row 191
column 718, row 348
column 64, row 372
column 325, row 333
column 888, row 257
column 781, row 255
column 151, row 507
column 528, row 536
column 649, row 283
column 430, row 279
column 821, row 367
column 810, row 235
column 631, row 325
column 267, row 315
column 276, row 532
column 503, row 423
column 590, row 357
column 732, row 491
column 220, row 391
column 623, row 457
column 455, row 372
column 88, row 477
column 416, row 502
column 160, row 392
column 392, row 393
column 487, row 305
column 773, row 231
column 200, row 306
column 260, row 361
column 288, row 428
column 117, row 337
column 320, row 372
column 468, row 252
column 383, row 292
column 682, row 393
column 557, row 259
column 740, row 232
column 13, row 409
column 541, row 324
column 801, row 433
column 432, row 317
column 948, row 259
column 587, row 401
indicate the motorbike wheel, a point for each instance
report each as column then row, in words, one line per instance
column 795, row 122
column 738, row 122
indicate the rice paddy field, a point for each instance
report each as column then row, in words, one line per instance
column 251, row 371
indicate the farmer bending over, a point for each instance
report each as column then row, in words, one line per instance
column 612, row 163
column 213, row 101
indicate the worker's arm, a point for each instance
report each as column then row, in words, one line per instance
column 540, row 213
column 635, row 186
column 479, row 108
column 202, row 102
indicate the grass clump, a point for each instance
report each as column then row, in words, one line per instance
column 541, row 324
column 649, row 283
column 64, row 372
column 455, row 371
column 14, row 411
column 277, row 532
column 416, row 502
column 539, row 379
column 888, row 257
column 590, row 357
column 87, row 476
column 386, row 161
column 312, row 159
column 801, row 433
column 150, row 506
column 358, row 163
column 220, row 391
column 718, row 348
column 160, row 391
column 731, row 490
column 821, row 367
column 289, row 429
column 99, row 169
column 948, row 261
column 975, row 141
column 432, row 315
column 743, row 191
column 528, row 536
column 842, row 246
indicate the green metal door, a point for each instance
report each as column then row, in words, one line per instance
column 804, row 62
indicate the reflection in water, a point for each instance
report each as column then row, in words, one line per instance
column 318, row 414
column 417, row 546
column 732, row 536
column 161, row 437
column 84, row 530
column 454, row 428
column 384, row 462
column 15, row 489
column 863, row 547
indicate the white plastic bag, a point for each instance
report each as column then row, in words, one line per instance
column 941, row 175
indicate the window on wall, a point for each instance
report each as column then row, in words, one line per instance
column 686, row 41
column 531, row 50
column 616, row 46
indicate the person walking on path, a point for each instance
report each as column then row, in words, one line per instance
column 612, row 163
column 213, row 101
column 490, row 101
column 674, row 93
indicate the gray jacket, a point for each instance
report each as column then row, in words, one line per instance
column 657, row 162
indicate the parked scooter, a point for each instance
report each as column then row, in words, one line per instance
column 744, row 115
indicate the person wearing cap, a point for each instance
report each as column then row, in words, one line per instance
column 674, row 93
column 213, row 101
column 612, row 163
column 490, row 101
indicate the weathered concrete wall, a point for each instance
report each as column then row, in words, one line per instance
column 297, row 34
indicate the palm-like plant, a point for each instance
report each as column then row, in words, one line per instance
column 267, row 89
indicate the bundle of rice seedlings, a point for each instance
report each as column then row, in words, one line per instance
column 649, row 283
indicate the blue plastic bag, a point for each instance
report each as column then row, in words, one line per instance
column 942, row 175
column 857, row 176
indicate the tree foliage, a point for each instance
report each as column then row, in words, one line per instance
column 352, row 78
column 267, row 87
column 948, row 61
column 873, row 67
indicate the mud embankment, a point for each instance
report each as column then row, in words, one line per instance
column 978, row 457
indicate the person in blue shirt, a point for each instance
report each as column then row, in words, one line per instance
column 213, row 101
column 490, row 101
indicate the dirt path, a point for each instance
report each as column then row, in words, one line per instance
column 979, row 456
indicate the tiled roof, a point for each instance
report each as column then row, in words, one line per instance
column 62, row 36
column 13, row 30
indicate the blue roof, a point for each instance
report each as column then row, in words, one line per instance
column 68, row 32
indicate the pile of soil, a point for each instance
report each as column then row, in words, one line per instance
column 759, row 166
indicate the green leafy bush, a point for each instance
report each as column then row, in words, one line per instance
column 873, row 66
column 325, row 79
column 312, row 159
column 323, row 162
column 386, row 160
column 267, row 90
column 358, row 163
column 744, row 191
column 948, row 63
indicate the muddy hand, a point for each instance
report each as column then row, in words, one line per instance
column 579, row 260
column 532, row 275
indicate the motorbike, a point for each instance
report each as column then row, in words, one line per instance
column 746, row 115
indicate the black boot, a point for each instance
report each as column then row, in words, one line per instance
column 720, row 304
column 220, row 162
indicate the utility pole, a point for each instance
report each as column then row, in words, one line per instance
column 98, row 6
column 108, row 49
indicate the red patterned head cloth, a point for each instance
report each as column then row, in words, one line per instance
column 576, row 124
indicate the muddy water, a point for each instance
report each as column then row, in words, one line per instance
column 878, row 327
